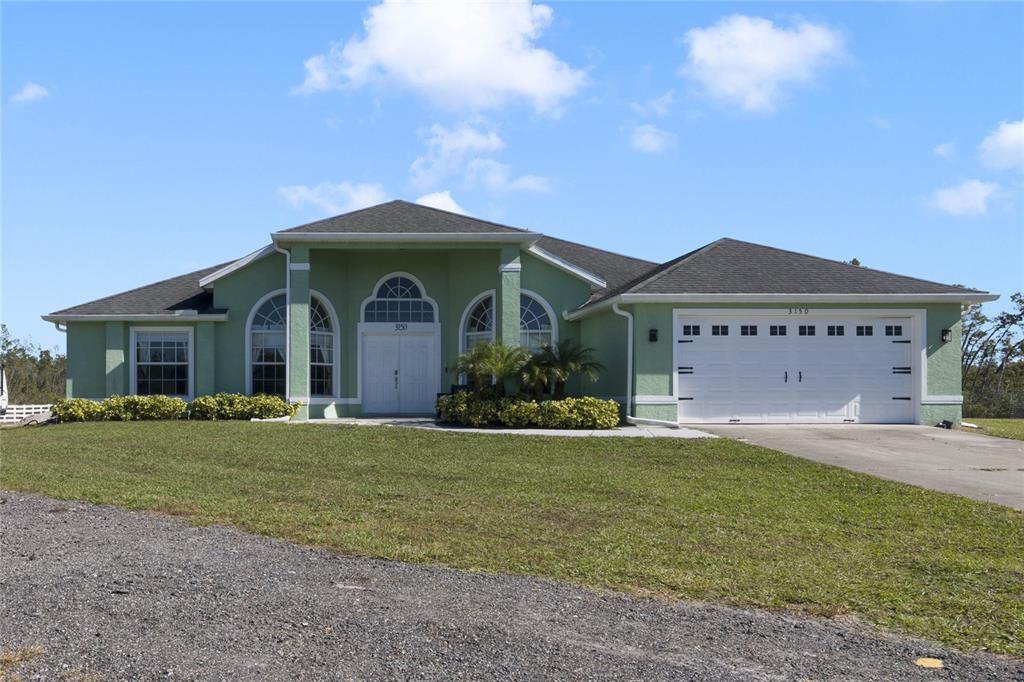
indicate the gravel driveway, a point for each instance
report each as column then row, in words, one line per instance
column 121, row 595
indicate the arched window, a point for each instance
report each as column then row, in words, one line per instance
column 398, row 299
column 536, row 328
column 321, row 349
column 268, row 332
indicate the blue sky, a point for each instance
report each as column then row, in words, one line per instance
column 142, row 141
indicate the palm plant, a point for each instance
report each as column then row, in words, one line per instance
column 537, row 375
column 566, row 358
column 492, row 361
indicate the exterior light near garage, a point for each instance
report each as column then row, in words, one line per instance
column 947, row 335
column 652, row 335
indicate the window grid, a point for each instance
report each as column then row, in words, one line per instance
column 691, row 330
column 806, row 330
column 865, row 330
column 268, row 341
column 719, row 330
column 836, row 330
column 535, row 330
column 480, row 323
column 398, row 300
column 161, row 363
column 748, row 330
column 894, row 330
column 777, row 330
column 321, row 350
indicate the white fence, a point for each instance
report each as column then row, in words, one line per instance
column 15, row 413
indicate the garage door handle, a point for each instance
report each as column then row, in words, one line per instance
column 800, row 377
column 785, row 378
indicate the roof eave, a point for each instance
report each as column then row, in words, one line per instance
column 236, row 265
column 183, row 316
column 955, row 297
column 566, row 266
column 407, row 237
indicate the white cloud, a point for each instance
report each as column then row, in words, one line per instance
column 442, row 200
column 461, row 55
column 946, row 150
column 498, row 176
column 447, row 150
column 333, row 198
column 969, row 198
column 30, row 92
column 748, row 60
column 658, row 106
column 652, row 139
column 1004, row 148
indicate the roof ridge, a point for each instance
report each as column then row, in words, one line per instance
column 850, row 265
column 597, row 248
column 197, row 273
column 324, row 220
column 653, row 277
column 656, row 271
column 457, row 215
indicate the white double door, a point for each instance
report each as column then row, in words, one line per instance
column 400, row 371
column 794, row 369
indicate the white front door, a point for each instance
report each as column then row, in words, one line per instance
column 794, row 369
column 401, row 368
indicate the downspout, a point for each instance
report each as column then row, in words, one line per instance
column 287, row 319
column 630, row 419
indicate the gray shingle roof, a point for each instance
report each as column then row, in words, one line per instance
column 177, row 293
column 397, row 217
column 730, row 266
column 615, row 269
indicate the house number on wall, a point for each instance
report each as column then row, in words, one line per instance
column 799, row 311
column 401, row 326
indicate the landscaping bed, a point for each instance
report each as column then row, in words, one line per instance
column 707, row 519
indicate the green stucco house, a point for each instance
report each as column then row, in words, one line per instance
column 365, row 313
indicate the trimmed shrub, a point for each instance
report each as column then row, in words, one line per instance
column 76, row 410
column 518, row 413
column 473, row 409
column 139, row 407
column 238, row 406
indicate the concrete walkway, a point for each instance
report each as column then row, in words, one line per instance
column 980, row 467
column 431, row 425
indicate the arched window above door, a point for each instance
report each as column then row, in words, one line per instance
column 398, row 299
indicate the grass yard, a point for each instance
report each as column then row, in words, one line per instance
column 1004, row 428
column 713, row 520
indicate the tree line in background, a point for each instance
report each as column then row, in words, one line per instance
column 35, row 375
column 992, row 361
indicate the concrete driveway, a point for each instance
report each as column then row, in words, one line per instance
column 981, row 467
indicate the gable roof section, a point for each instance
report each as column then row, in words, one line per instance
column 733, row 267
column 402, row 217
column 169, row 297
column 615, row 269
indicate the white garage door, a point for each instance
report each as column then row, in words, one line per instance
column 797, row 368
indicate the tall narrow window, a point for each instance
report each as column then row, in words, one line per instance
column 267, row 338
column 162, row 363
column 398, row 299
column 479, row 323
column 321, row 350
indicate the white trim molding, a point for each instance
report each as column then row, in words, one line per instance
column 132, row 358
column 510, row 267
column 299, row 266
column 236, row 265
column 566, row 266
column 656, row 400
column 184, row 316
column 942, row 400
column 405, row 237
column 465, row 317
column 248, row 338
column 399, row 273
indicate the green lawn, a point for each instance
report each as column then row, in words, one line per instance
column 1004, row 428
column 714, row 520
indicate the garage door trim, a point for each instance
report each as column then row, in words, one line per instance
column 918, row 317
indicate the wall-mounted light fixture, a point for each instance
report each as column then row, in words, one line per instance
column 947, row 335
column 652, row 335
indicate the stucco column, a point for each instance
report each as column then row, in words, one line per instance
column 507, row 298
column 298, row 330
column 204, row 354
column 115, row 359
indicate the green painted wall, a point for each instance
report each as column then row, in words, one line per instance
column 86, row 353
column 605, row 332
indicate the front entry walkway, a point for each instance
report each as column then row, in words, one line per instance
column 969, row 464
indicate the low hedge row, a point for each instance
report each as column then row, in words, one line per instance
column 145, row 407
column 474, row 409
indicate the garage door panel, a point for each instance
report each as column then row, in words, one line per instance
column 787, row 377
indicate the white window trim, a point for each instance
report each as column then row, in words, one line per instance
column 464, row 320
column 547, row 308
column 336, row 378
column 918, row 320
column 416, row 281
column 132, row 362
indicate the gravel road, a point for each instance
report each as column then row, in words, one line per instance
column 111, row 594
